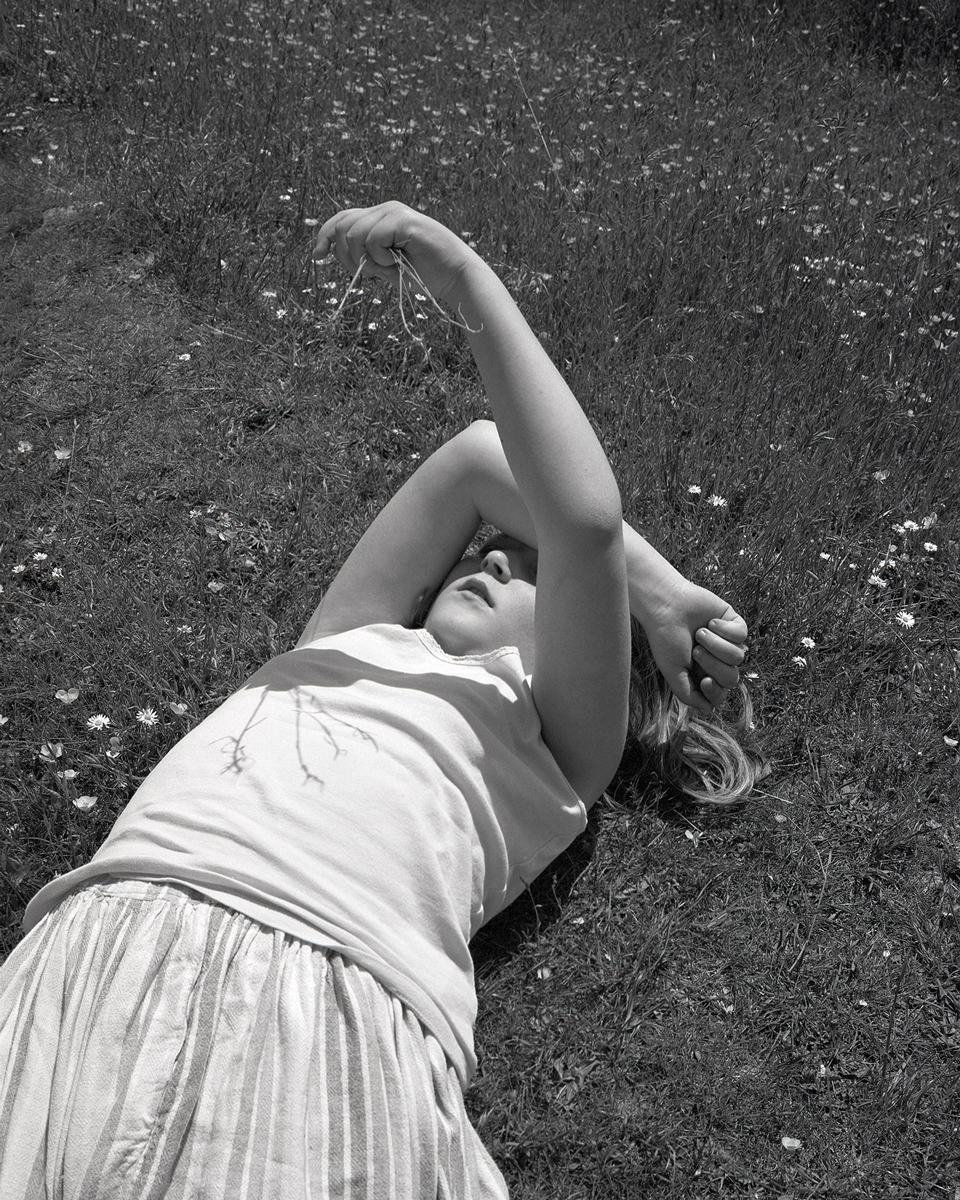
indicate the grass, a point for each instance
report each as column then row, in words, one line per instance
column 737, row 230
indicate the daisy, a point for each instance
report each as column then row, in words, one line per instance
column 877, row 582
column 808, row 642
column 798, row 660
column 906, row 619
column 694, row 489
column 147, row 716
column 717, row 501
column 98, row 721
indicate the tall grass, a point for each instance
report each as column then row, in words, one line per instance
column 737, row 229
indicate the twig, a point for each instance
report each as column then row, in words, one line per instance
column 353, row 284
column 536, row 122
column 405, row 267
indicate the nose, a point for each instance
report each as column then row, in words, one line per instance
column 496, row 563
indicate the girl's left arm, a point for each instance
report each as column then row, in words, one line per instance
column 422, row 533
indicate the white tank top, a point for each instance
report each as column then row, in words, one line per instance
column 365, row 792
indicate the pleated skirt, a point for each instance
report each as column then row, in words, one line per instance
column 155, row 1045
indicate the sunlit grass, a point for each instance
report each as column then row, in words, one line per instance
column 738, row 232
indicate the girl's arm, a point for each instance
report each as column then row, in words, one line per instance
column 424, row 530
column 581, row 619
column 581, row 626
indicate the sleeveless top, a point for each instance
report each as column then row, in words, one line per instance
column 365, row 792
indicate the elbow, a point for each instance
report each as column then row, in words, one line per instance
column 596, row 516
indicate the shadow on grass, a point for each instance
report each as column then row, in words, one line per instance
column 539, row 906
column 543, row 902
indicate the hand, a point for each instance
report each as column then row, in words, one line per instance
column 367, row 240
column 698, row 643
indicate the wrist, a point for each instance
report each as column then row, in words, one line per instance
column 470, row 283
column 654, row 585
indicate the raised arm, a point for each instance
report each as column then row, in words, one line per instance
column 581, row 634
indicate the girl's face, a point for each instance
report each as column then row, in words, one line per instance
column 487, row 601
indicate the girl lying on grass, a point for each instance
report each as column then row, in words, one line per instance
column 261, row 986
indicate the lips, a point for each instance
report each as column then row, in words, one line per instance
column 478, row 587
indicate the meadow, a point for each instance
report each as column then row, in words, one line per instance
column 736, row 227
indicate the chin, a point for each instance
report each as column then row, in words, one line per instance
column 452, row 635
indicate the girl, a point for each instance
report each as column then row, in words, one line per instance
column 261, row 986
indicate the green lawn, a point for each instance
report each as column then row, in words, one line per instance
column 737, row 229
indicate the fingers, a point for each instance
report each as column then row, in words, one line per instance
column 362, row 240
column 725, row 674
column 686, row 687
column 720, row 647
column 732, row 627
column 715, row 694
column 329, row 233
column 719, row 659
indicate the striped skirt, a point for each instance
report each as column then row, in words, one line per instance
column 157, row 1046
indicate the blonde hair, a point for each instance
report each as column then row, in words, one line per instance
column 710, row 760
